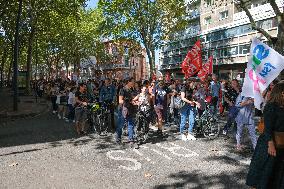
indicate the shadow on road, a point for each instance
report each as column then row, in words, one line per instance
column 198, row 181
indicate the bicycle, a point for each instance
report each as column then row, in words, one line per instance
column 101, row 118
column 206, row 124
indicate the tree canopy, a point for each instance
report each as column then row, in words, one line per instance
column 146, row 21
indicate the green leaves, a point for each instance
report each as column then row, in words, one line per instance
column 64, row 29
column 146, row 21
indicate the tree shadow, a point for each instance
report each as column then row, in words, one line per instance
column 196, row 180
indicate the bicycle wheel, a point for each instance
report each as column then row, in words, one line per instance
column 106, row 123
column 211, row 129
column 96, row 123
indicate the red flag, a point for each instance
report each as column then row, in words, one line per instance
column 193, row 60
column 154, row 77
column 206, row 69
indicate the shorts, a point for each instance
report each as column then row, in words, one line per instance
column 159, row 112
column 80, row 114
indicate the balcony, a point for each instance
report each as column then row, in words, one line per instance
column 193, row 14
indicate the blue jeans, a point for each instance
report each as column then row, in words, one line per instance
column 71, row 110
column 187, row 111
column 120, row 124
column 230, row 119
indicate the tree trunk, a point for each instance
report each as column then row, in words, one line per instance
column 9, row 73
column 29, row 59
column 153, row 60
column 150, row 61
column 16, row 56
column 36, row 69
column 4, row 58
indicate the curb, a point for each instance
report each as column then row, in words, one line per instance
column 8, row 118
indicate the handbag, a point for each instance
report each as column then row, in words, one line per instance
column 260, row 126
column 278, row 139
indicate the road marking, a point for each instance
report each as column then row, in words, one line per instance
column 176, row 147
column 137, row 165
column 236, row 157
column 160, row 153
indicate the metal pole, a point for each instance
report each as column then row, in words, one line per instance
column 16, row 56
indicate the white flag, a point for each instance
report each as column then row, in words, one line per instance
column 264, row 65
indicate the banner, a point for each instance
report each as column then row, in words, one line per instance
column 193, row 61
column 206, row 69
column 264, row 65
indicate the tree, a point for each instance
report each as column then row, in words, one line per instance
column 147, row 21
column 276, row 42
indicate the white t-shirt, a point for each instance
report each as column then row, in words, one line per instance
column 71, row 98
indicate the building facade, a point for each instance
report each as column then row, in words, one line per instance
column 225, row 32
column 122, row 63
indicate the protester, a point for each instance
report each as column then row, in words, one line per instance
column 187, row 111
column 215, row 89
column 267, row 164
column 230, row 97
column 71, row 104
column 126, row 111
column 160, row 104
column 80, row 108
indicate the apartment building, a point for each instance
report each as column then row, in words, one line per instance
column 122, row 63
column 225, row 32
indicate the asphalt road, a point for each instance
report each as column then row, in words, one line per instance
column 44, row 152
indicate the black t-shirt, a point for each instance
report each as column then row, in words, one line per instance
column 231, row 95
column 188, row 92
column 81, row 96
column 127, row 97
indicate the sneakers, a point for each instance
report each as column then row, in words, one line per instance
column 59, row 117
column 224, row 132
column 54, row 112
column 190, row 137
column 183, row 137
column 159, row 132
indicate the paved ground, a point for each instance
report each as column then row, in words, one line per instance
column 44, row 152
column 28, row 106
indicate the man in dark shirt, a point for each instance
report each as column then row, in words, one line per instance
column 108, row 97
column 80, row 108
column 230, row 97
column 126, row 111
column 161, row 96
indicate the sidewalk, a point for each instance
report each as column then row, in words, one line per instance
column 27, row 106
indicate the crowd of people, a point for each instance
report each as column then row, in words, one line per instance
column 169, row 102
column 175, row 101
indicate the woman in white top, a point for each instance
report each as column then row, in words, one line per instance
column 71, row 103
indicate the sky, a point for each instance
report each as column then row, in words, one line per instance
column 93, row 4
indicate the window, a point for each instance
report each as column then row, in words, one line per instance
column 233, row 51
column 232, row 32
column 244, row 49
column 114, row 51
column 126, row 61
column 224, row 15
column 207, row 20
column 245, row 29
column 126, row 50
column 208, row 3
